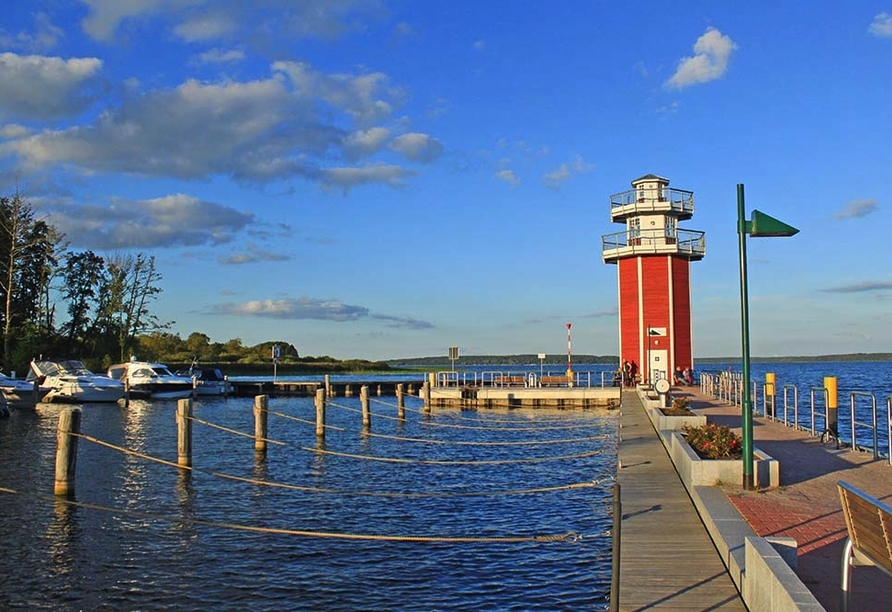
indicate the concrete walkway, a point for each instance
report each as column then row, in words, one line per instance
column 806, row 506
column 667, row 558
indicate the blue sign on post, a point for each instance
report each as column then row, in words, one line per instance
column 276, row 354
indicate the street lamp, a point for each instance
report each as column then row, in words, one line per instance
column 760, row 225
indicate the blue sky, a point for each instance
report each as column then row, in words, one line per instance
column 385, row 179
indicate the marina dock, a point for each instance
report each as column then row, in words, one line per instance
column 667, row 559
column 721, row 547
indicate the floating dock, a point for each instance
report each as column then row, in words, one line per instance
column 251, row 388
column 526, row 397
column 506, row 392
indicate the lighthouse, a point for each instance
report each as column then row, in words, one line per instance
column 653, row 257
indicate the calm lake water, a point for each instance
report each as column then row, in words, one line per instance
column 150, row 537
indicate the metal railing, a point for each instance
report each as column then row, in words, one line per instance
column 872, row 425
column 725, row 387
column 655, row 199
column 508, row 378
column 691, row 242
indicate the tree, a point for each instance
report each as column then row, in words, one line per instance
column 133, row 283
column 27, row 261
column 198, row 344
column 84, row 276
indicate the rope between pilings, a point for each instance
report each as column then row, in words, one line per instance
column 570, row 536
column 267, row 483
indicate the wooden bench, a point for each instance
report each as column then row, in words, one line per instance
column 869, row 523
column 508, row 381
column 553, row 381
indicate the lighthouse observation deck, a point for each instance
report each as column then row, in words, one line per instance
column 678, row 203
column 690, row 244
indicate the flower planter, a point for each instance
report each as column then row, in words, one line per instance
column 696, row 472
column 665, row 422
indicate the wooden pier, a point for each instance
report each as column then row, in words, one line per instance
column 502, row 393
column 666, row 557
column 251, row 388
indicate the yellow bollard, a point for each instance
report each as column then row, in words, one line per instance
column 832, row 407
column 770, row 393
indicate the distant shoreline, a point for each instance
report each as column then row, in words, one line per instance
column 561, row 360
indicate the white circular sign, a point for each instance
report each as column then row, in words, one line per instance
column 662, row 386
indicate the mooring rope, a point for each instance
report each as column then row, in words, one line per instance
column 267, row 483
column 236, row 431
column 305, row 421
column 458, row 462
column 570, row 536
column 476, row 442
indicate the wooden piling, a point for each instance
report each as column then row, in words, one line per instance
column 328, row 385
column 366, row 412
column 66, row 451
column 348, row 390
column 320, row 413
column 400, row 402
column 261, row 419
column 184, row 432
column 426, row 392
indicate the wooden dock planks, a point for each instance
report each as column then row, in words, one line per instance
column 667, row 559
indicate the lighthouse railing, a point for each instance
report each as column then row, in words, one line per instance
column 691, row 242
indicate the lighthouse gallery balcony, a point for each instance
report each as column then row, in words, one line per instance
column 676, row 202
column 690, row 244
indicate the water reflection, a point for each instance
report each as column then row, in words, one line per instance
column 167, row 544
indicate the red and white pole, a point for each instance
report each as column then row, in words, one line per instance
column 569, row 355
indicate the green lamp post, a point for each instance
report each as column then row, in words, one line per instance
column 760, row 225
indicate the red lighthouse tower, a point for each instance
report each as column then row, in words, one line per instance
column 653, row 258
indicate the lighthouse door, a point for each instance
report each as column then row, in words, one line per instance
column 656, row 365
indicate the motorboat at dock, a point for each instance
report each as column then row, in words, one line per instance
column 147, row 380
column 69, row 380
column 207, row 381
column 19, row 392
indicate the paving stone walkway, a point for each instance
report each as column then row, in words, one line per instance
column 806, row 506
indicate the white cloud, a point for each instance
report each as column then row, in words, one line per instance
column 301, row 308
column 881, row 25
column 169, row 221
column 221, row 56
column 44, row 37
column 417, row 147
column 106, row 15
column 206, row 20
column 365, row 142
column 41, row 87
column 253, row 255
column 286, row 126
column 857, row 208
column 509, row 177
column 347, row 178
column 557, row 177
column 314, row 309
column 709, row 62
column 365, row 97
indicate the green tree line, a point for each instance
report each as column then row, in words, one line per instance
column 59, row 302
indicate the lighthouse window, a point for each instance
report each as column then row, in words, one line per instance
column 634, row 231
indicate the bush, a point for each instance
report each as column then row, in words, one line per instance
column 681, row 403
column 713, row 441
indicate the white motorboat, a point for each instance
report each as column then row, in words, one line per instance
column 19, row 392
column 69, row 380
column 144, row 379
column 208, row 381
